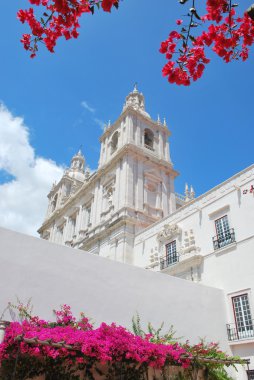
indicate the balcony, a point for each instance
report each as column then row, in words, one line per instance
column 222, row 240
column 169, row 260
column 241, row 332
column 149, row 147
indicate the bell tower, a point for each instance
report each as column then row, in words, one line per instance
column 132, row 188
column 139, row 149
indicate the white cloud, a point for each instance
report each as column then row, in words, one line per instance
column 100, row 123
column 85, row 105
column 23, row 200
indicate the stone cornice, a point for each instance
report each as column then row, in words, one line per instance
column 146, row 119
column 98, row 235
column 185, row 265
column 56, row 187
column 196, row 202
column 142, row 154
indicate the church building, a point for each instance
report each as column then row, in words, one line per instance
column 132, row 189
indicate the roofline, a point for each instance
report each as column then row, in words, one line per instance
column 197, row 199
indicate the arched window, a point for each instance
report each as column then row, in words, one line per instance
column 114, row 142
column 54, row 202
column 148, row 138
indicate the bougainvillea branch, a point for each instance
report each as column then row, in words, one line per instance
column 221, row 29
column 60, row 18
column 227, row 34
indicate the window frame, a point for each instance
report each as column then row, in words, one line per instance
column 171, row 257
column 242, row 331
column 250, row 374
column 114, row 142
column 148, row 132
column 224, row 232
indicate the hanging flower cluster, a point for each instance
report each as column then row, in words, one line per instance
column 60, row 19
column 229, row 36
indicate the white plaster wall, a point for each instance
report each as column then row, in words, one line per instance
column 230, row 268
column 106, row 290
column 200, row 216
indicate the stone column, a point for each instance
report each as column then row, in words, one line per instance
column 172, row 198
column 95, row 208
column 117, row 186
column 65, row 230
column 160, row 150
column 107, row 149
column 138, row 134
column 53, row 233
column 129, row 181
column 68, row 233
column 79, row 220
column 93, row 211
column 167, row 151
column 140, row 186
column 158, row 195
column 165, row 194
column 101, row 155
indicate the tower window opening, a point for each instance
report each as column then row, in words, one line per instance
column 149, row 139
column 54, row 202
column 114, row 142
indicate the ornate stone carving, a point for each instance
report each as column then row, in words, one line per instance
column 189, row 243
column 136, row 101
column 169, row 231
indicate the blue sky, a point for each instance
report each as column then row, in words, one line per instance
column 211, row 121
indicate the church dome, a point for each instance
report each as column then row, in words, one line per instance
column 76, row 170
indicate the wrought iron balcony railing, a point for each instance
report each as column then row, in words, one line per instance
column 169, row 260
column 243, row 331
column 224, row 239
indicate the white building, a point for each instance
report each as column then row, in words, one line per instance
column 128, row 211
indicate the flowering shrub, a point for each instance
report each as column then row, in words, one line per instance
column 34, row 346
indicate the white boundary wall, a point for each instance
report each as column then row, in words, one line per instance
column 105, row 290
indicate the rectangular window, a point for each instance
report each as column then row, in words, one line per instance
column 243, row 320
column 224, row 234
column 222, row 226
column 171, row 254
column 250, row 374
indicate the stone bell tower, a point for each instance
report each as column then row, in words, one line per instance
column 132, row 188
column 139, row 149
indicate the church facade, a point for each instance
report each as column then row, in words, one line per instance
column 128, row 211
column 132, row 189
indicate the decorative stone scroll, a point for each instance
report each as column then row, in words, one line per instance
column 169, row 231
